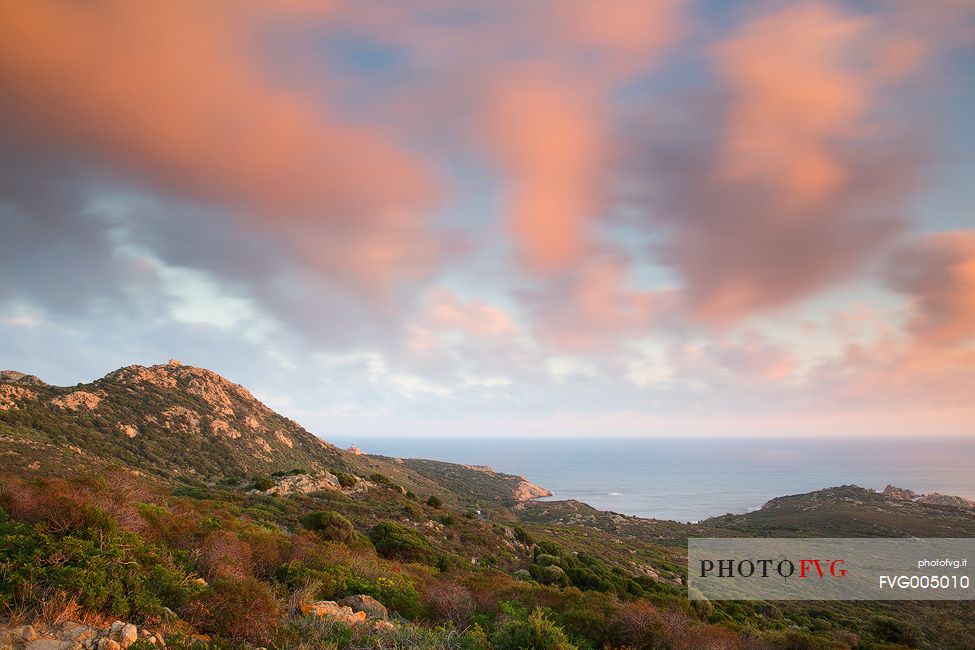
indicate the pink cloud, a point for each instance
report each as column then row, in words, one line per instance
column 593, row 307
column 787, row 180
column 794, row 88
column 937, row 274
column 549, row 140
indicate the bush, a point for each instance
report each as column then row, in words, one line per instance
column 330, row 525
column 449, row 601
column 892, row 630
column 523, row 536
column 544, row 560
column 345, row 479
column 639, row 624
column 434, row 502
column 397, row 593
column 242, row 609
column 222, row 553
column 262, row 483
column 536, row 632
column 398, row 542
column 554, row 575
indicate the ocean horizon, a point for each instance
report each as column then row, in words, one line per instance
column 690, row 480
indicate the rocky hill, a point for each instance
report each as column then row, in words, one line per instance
column 167, row 421
column 853, row 511
column 174, row 422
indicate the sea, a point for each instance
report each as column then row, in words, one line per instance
column 690, row 479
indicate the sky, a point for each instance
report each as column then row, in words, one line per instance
column 500, row 218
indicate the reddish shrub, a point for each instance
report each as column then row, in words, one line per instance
column 240, row 609
column 67, row 504
column 639, row 624
column 268, row 550
column 703, row 637
column 490, row 586
column 223, row 554
column 448, row 600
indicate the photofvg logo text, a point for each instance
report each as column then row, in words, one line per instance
column 829, row 569
column 772, row 568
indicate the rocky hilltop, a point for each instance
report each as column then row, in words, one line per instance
column 167, row 420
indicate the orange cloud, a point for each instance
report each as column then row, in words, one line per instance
column 793, row 88
column 937, row 273
column 177, row 93
column 549, row 139
column 550, row 68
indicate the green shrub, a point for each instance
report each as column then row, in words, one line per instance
column 398, row 542
column 398, row 593
column 536, row 632
column 262, row 483
column 544, row 560
column 434, row 501
column 345, row 479
column 476, row 639
column 330, row 525
column 554, row 575
column 523, row 536
column 106, row 569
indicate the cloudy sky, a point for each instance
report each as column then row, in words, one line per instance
column 631, row 217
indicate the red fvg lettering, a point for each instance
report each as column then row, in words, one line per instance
column 822, row 567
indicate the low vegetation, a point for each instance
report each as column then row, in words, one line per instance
column 237, row 568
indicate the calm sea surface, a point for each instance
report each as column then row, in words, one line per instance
column 691, row 479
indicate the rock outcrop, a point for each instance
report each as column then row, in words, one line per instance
column 10, row 395
column 77, row 401
column 367, row 605
column 304, row 484
column 72, row 635
column 936, row 498
column 526, row 491
column 893, row 492
column 371, row 612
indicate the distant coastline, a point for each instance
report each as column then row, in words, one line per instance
column 687, row 481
